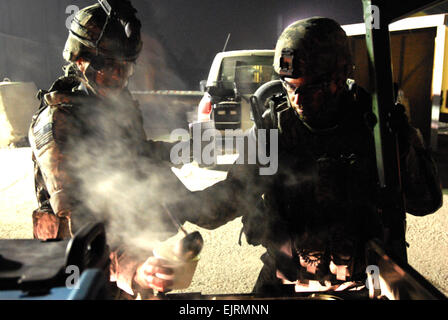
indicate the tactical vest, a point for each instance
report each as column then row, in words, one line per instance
column 326, row 184
column 94, row 134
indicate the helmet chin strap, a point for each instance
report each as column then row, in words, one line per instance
column 98, row 41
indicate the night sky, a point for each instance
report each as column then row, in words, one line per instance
column 203, row 24
column 196, row 30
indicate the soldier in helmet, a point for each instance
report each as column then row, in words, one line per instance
column 316, row 214
column 89, row 128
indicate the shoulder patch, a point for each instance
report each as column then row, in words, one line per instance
column 43, row 129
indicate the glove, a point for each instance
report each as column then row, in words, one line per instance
column 48, row 226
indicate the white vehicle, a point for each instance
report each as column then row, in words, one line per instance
column 234, row 76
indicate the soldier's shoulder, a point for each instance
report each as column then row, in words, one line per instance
column 64, row 94
column 55, row 109
column 55, row 115
column 67, row 83
column 49, row 118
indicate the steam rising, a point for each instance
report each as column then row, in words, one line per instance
column 114, row 183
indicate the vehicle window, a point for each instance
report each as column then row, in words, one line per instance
column 249, row 72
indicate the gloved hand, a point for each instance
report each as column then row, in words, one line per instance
column 48, row 226
column 154, row 274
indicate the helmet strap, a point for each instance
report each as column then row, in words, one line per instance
column 97, row 44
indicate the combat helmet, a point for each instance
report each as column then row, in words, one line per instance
column 314, row 46
column 109, row 29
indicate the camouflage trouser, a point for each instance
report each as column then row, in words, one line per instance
column 47, row 225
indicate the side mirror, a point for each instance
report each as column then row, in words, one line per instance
column 202, row 85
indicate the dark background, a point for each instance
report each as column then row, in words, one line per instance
column 181, row 37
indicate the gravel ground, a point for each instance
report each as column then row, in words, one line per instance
column 225, row 267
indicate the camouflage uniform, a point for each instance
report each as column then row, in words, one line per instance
column 77, row 133
column 324, row 197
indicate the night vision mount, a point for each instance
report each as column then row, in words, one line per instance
column 287, row 63
column 121, row 10
column 106, row 6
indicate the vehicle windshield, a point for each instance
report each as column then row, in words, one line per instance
column 248, row 72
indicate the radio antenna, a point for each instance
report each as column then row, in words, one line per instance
column 227, row 42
